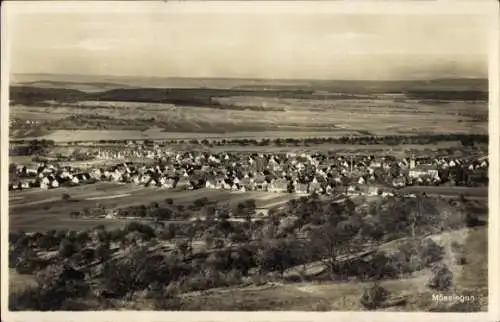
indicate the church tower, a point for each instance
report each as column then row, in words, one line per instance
column 412, row 161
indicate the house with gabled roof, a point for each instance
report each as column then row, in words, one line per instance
column 314, row 186
column 135, row 179
column 182, row 182
column 25, row 185
column 151, row 183
column 329, row 189
column 300, row 188
column 54, row 183
column 279, row 185
column 260, row 183
column 246, row 184
column 424, row 171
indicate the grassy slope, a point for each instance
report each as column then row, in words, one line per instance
column 472, row 277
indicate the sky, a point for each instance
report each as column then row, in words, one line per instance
column 250, row 45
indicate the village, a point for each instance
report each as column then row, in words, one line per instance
column 303, row 173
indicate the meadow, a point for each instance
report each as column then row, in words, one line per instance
column 299, row 119
column 38, row 210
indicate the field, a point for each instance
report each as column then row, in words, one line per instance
column 38, row 210
column 246, row 109
column 299, row 118
column 43, row 210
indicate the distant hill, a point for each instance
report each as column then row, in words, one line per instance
column 112, row 82
column 38, row 89
column 81, row 86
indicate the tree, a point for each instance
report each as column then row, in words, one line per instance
column 200, row 202
column 209, row 239
column 274, row 256
column 374, row 296
column 183, row 247
column 330, row 241
column 25, row 261
column 56, row 285
column 126, row 276
column 67, row 248
column 65, row 197
column 103, row 252
column 395, row 170
column 243, row 259
column 442, row 278
column 349, row 205
column 210, row 213
column 223, row 211
column 170, row 231
column 220, row 260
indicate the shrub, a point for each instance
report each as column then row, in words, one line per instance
column 442, row 278
column 233, row 277
column 374, row 296
column 147, row 231
column 154, row 290
column 406, row 259
column 259, row 279
column 56, row 285
column 172, row 289
column 30, row 265
column 431, row 252
column 379, row 266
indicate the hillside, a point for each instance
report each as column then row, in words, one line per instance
column 326, row 296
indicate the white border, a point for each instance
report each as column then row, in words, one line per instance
column 354, row 7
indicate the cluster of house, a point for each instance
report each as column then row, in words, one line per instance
column 272, row 172
column 21, row 122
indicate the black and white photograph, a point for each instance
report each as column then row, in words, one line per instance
column 255, row 157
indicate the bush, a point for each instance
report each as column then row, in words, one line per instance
column 374, row 296
column 407, row 259
column 259, row 279
column 202, row 281
column 147, row 231
column 416, row 255
column 442, row 278
column 234, row 277
column 30, row 265
column 431, row 252
column 379, row 267
column 172, row 289
column 56, row 285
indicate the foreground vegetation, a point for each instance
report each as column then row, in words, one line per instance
column 162, row 264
